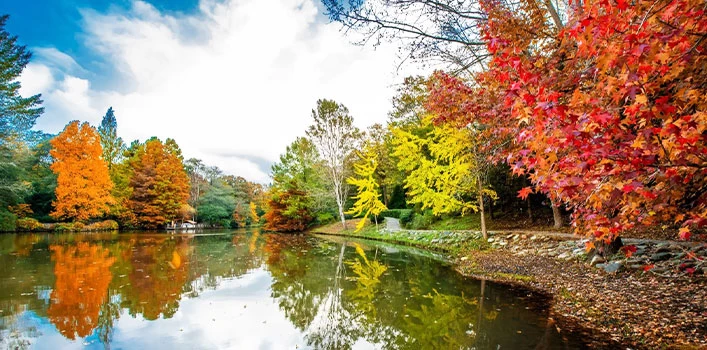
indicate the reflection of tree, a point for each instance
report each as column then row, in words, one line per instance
column 110, row 311
column 367, row 278
column 82, row 278
column 439, row 322
column 333, row 326
column 159, row 272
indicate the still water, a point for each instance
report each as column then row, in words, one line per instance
column 252, row 290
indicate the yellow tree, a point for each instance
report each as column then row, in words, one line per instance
column 444, row 171
column 368, row 196
column 254, row 214
column 83, row 185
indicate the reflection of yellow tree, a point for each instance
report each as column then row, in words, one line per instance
column 442, row 320
column 82, row 278
column 253, row 241
column 367, row 278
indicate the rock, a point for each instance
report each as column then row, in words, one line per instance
column 564, row 256
column 503, row 243
column 578, row 251
column 533, row 237
column 612, row 267
column 661, row 256
column 596, row 259
column 490, row 240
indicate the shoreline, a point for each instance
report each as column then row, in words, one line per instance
column 624, row 308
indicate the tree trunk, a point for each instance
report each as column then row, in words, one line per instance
column 481, row 209
column 340, row 203
column 556, row 215
column 343, row 217
column 530, row 210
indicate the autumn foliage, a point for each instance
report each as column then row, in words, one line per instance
column 284, row 214
column 606, row 114
column 83, row 184
column 159, row 182
column 82, row 277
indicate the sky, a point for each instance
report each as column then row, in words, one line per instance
column 232, row 81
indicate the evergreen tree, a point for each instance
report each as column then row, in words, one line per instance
column 17, row 114
column 113, row 145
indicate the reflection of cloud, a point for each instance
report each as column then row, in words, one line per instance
column 238, row 315
column 221, row 78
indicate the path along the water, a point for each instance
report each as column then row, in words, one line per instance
column 392, row 224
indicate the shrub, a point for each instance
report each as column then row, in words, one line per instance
column 8, row 221
column 396, row 213
column 421, row 220
column 29, row 224
column 64, row 227
column 105, row 225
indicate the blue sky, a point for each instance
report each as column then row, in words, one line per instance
column 233, row 81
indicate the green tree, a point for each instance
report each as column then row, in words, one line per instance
column 297, row 192
column 216, row 206
column 17, row 114
column 113, row 146
column 335, row 136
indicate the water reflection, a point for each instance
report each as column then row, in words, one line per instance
column 250, row 290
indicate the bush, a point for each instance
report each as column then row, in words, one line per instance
column 421, row 220
column 106, row 225
column 395, row 213
column 29, row 224
column 324, row 218
column 8, row 221
column 64, row 227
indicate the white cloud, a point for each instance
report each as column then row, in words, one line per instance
column 240, row 75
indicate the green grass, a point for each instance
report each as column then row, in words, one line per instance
column 455, row 243
column 466, row 222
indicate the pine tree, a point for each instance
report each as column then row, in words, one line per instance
column 113, row 146
column 17, row 114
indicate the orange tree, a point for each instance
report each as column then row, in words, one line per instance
column 606, row 114
column 159, row 182
column 83, row 184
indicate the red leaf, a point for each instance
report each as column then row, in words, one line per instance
column 648, row 267
column 685, row 233
column 621, row 4
column 523, row 193
column 628, row 250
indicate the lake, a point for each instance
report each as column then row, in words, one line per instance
column 243, row 289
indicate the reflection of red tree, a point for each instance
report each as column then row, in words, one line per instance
column 159, row 273
column 82, row 278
